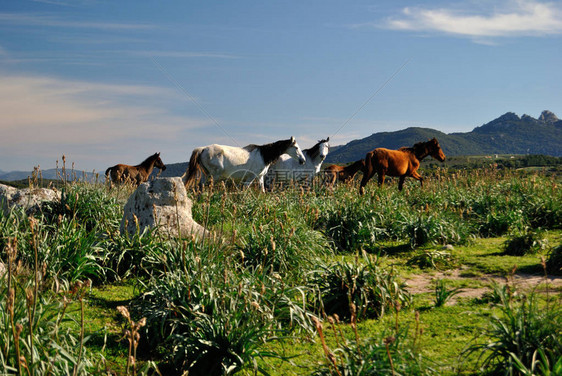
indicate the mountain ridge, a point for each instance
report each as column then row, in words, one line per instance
column 507, row 134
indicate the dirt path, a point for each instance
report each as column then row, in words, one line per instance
column 423, row 283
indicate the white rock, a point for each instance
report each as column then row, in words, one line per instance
column 161, row 203
column 28, row 198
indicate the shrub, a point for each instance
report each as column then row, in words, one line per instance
column 370, row 288
column 442, row 294
column 422, row 229
column 554, row 261
column 208, row 318
column 35, row 337
column 283, row 250
column 385, row 354
column 350, row 227
column 434, row 259
column 524, row 331
column 522, row 244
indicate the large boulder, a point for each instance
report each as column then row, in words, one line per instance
column 161, row 203
column 30, row 199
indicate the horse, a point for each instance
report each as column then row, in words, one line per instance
column 335, row 173
column 287, row 168
column 402, row 162
column 239, row 164
column 138, row 174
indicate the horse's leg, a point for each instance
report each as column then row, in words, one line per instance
column 401, row 182
column 368, row 172
column 261, row 184
column 381, row 177
column 367, row 175
column 417, row 176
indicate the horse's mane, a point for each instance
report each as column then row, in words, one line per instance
column 272, row 151
column 420, row 149
column 148, row 160
column 315, row 150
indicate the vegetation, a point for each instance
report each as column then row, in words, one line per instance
column 306, row 281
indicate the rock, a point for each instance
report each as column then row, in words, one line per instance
column 30, row 199
column 161, row 203
column 548, row 117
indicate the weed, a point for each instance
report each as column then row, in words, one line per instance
column 442, row 294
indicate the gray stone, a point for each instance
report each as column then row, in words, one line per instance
column 161, row 203
column 548, row 117
column 30, row 199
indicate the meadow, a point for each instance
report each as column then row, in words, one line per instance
column 455, row 278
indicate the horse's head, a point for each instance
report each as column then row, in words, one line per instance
column 435, row 150
column 324, row 148
column 158, row 162
column 295, row 151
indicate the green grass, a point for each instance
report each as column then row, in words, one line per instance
column 263, row 278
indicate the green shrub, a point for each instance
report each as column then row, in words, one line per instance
column 526, row 243
column 554, row 261
column 210, row 318
column 443, row 294
column 422, row 229
column 433, row 259
column 524, row 331
column 35, row 337
column 351, row 227
column 371, row 289
column 385, row 354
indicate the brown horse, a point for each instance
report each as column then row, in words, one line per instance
column 135, row 174
column 335, row 173
column 402, row 162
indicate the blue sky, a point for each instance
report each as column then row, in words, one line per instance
column 107, row 82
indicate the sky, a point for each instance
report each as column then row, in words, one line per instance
column 105, row 82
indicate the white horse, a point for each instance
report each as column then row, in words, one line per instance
column 242, row 165
column 286, row 169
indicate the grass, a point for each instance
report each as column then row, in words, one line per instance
column 256, row 296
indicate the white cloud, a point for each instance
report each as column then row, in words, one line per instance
column 514, row 18
column 46, row 116
column 49, row 20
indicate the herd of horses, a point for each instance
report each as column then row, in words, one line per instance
column 284, row 161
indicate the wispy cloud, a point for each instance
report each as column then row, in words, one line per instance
column 45, row 114
column 49, row 20
column 184, row 54
column 510, row 19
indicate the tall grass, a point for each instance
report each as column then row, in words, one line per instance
column 525, row 335
column 272, row 274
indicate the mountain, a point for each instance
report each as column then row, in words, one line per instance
column 50, row 174
column 508, row 134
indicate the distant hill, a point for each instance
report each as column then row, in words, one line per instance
column 50, row 174
column 508, row 134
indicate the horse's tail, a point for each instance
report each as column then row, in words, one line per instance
column 108, row 171
column 193, row 168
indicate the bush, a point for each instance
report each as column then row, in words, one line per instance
column 432, row 259
column 525, row 331
column 522, row 244
column 209, row 318
column 351, row 226
column 368, row 287
column 554, row 261
column 34, row 334
column 385, row 354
